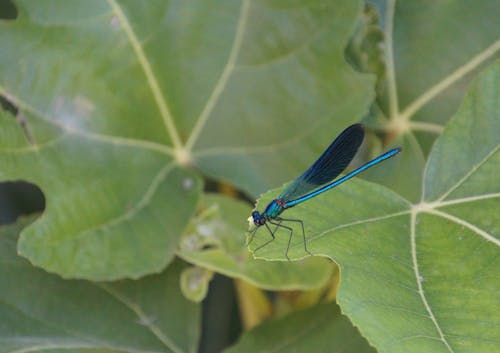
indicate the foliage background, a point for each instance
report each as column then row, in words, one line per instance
column 127, row 115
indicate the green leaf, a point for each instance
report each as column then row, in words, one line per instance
column 119, row 97
column 289, row 90
column 432, row 52
column 210, row 242
column 98, row 224
column 318, row 329
column 419, row 277
column 42, row 312
column 475, row 141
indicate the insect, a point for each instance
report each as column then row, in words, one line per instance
column 314, row 181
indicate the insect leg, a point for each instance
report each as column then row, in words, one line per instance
column 289, row 238
column 276, row 228
column 252, row 235
column 303, row 232
column 267, row 242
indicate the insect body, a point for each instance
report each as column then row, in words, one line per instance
column 314, row 181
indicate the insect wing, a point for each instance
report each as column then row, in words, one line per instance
column 329, row 165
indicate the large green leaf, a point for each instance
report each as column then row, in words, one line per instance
column 104, row 218
column 419, row 277
column 287, row 93
column 318, row 329
column 118, row 97
column 41, row 312
column 210, row 242
column 432, row 50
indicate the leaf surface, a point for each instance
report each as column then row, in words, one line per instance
column 419, row 277
column 117, row 98
column 41, row 312
column 210, row 242
column 318, row 329
column 432, row 52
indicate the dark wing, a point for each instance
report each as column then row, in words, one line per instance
column 329, row 165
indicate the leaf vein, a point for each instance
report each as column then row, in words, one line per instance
column 150, row 77
column 469, row 173
column 90, row 135
column 223, row 79
column 426, row 127
column 294, row 51
column 464, row 200
column 162, row 174
column 143, row 317
column 419, row 282
column 355, row 223
column 214, row 151
column 434, row 91
column 464, row 223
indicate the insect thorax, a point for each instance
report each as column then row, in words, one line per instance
column 274, row 209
